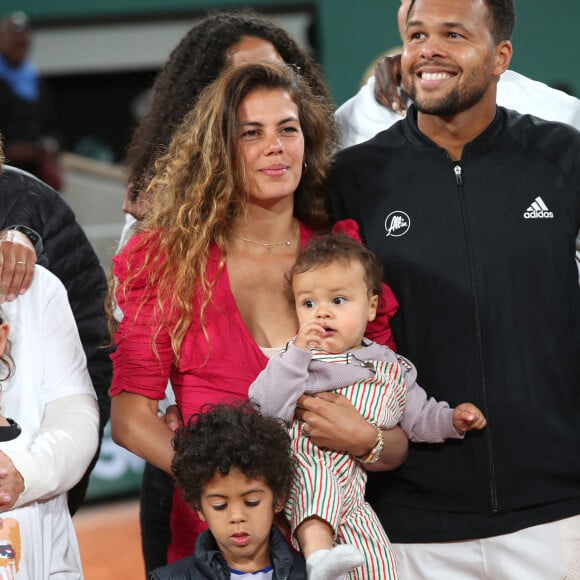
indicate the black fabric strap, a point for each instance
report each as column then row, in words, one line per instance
column 10, row 432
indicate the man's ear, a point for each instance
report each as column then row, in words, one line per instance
column 503, row 57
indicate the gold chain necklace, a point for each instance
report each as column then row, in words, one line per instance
column 269, row 246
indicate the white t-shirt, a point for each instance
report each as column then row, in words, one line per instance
column 265, row 574
column 38, row 538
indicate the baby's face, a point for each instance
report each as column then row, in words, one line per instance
column 336, row 296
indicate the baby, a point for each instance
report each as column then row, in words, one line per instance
column 336, row 284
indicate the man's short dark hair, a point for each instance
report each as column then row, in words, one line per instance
column 503, row 19
column 232, row 436
column 502, row 15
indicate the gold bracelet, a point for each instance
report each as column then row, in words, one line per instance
column 373, row 455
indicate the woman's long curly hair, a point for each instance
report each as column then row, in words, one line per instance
column 197, row 61
column 200, row 187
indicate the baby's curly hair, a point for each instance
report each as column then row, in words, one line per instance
column 227, row 436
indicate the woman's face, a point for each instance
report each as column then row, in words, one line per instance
column 252, row 49
column 271, row 145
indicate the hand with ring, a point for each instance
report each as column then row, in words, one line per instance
column 17, row 260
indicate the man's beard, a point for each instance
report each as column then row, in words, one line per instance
column 455, row 102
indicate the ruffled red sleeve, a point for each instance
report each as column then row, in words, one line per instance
column 142, row 360
column 379, row 330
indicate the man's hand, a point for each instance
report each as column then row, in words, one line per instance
column 11, row 483
column 17, row 260
column 467, row 417
column 387, row 82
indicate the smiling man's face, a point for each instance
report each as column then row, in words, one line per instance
column 448, row 55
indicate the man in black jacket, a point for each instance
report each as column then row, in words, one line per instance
column 475, row 213
column 26, row 204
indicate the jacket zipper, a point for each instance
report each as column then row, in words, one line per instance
column 457, row 170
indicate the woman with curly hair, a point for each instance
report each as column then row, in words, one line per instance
column 234, row 467
column 222, row 39
column 202, row 285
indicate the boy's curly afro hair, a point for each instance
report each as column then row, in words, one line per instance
column 227, row 436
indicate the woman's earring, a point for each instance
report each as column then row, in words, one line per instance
column 304, row 167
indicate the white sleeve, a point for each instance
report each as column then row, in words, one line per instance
column 61, row 451
column 530, row 97
column 362, row 116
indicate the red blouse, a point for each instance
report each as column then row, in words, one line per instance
column 206, row 373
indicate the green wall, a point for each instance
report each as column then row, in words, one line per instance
column 546, row 41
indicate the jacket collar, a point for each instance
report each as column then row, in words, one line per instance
column 484, row 140
column 209, row 558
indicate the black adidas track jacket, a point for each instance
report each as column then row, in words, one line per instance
column 481, row 256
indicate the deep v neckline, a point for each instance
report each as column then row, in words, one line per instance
column 305, row 235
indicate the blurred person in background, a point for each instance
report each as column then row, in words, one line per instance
column 27, row 118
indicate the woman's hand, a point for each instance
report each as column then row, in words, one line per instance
column 331, row 420
column 11, row 483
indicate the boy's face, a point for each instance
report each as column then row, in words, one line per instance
column 239, row 512
column 336, row 297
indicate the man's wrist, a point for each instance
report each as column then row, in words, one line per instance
column 32, row 235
